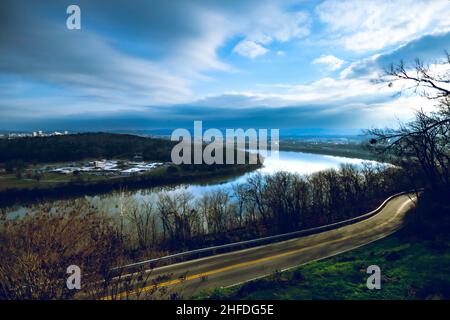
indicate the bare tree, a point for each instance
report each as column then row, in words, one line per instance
column 424, row 79
column 180, row 221
column 424, row 142
column 141, row 217
column 37, row 249
column 218, row 211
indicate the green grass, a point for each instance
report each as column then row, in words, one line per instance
column 411, row 268
column 48, row 180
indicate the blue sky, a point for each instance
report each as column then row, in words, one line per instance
column 247, row 63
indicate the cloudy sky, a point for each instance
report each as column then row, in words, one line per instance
column 247, row 63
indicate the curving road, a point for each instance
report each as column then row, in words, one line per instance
column 232, row 268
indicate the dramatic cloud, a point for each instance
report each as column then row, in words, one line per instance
column 352, row 116
column 162, row 63
column 429, row 48
column 82, row 62
column 373, row 25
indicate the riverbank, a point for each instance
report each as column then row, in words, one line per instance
column 23, row 191
column 93, row 163
column 350, row 150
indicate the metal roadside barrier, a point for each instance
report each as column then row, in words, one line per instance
column 259, row 241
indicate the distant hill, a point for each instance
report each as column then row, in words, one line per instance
column 84, row 145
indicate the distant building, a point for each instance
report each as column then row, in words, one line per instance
column 99, row 164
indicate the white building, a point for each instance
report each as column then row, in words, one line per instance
column 99, row 164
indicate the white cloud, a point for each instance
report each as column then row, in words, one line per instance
column 331, row 62
column 354, row 103
column 323, row 91
column 193, row 55
column 374, row 25
column 269, row 23
column 249, row 49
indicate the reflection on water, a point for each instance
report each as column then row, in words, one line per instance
column 294, row 162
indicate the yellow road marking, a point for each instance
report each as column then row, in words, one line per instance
column 244, row 264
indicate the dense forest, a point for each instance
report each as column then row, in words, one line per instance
column 84, row 145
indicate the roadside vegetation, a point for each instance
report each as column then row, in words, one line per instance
column 37, row 249
column 414, row 264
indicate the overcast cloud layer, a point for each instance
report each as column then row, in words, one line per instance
column 158, row 64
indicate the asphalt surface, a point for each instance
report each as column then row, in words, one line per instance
column 223, row 270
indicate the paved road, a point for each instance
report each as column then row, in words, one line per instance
column 232, row 268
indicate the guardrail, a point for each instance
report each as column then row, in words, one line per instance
column 260, row 241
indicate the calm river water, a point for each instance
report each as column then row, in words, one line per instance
column 294, row 162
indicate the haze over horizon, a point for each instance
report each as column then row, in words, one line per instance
column 274, row 64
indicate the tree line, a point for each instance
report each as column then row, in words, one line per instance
column 263, row 205
column 81, row 146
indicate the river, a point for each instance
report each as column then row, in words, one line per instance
column 293, row 162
